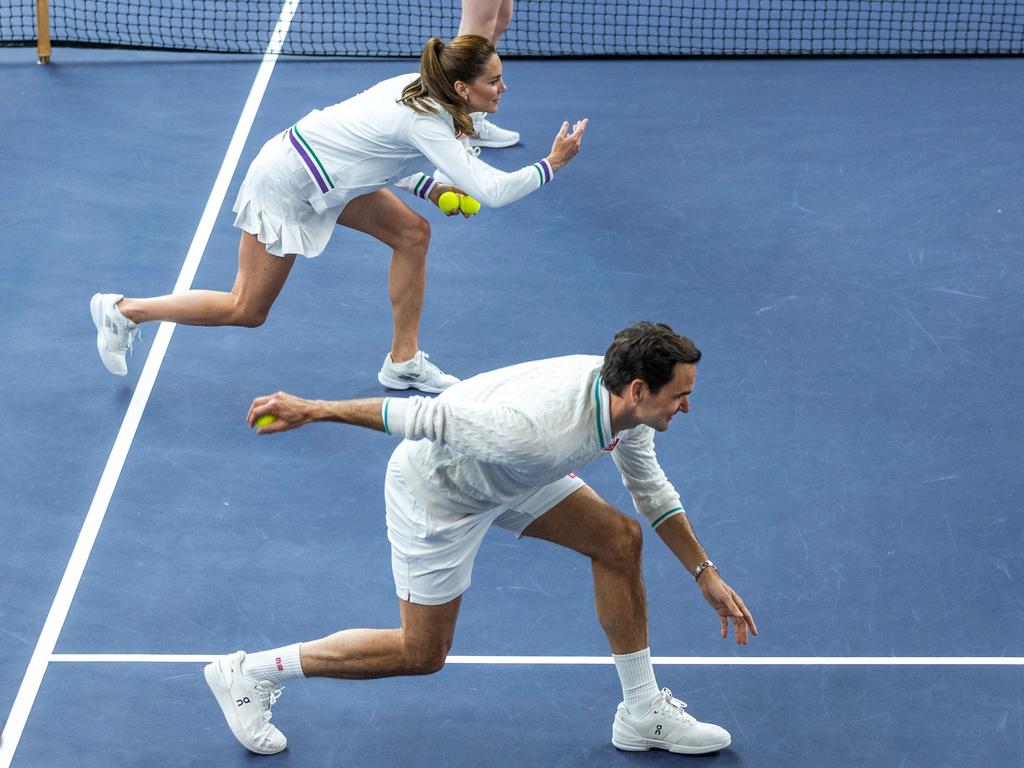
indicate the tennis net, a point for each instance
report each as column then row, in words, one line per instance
column 398, row 28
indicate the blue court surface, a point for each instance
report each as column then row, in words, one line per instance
column 841, row 238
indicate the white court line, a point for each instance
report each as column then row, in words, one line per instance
column 43, row 652
column 728, row 661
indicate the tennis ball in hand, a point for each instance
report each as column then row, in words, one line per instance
column 469, row 206
column 448, row 202
column 266, row 419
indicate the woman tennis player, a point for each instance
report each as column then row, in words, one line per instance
column 332, row 167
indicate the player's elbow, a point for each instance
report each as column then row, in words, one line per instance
column 491, row 198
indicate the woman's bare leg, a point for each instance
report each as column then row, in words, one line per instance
column 487, row 18
column 261, row 275
column 383, row 216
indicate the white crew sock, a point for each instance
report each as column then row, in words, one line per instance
column 277, row 665
column 636, row 673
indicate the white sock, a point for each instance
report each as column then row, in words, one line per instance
column 277, row 665
column 636, row 673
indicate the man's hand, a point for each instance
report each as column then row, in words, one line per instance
column 728, row 605
column 291, row 412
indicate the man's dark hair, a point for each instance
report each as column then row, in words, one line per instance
column 647, row 351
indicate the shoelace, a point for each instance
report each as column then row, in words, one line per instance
column 673, row 707
column 132, row 333
column 429, row 366
column 268, row 696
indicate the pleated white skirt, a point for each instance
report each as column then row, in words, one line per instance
column 272, row 203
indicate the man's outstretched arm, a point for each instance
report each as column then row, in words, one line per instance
column 292, row 412
column 483, row 431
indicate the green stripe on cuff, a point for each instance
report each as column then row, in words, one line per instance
column 387, row 402
column 667, row 515
column 423, row 177
column 540, row 173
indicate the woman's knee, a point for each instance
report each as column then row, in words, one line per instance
column 415, row 232
column 248, row 315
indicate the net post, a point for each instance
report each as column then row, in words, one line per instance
column 43, row 31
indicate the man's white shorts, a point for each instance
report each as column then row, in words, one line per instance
column 432, row 550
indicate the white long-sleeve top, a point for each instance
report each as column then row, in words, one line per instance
column 495, row 438
column 372, row 139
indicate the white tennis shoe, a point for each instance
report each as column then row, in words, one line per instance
column 417, row 373
column 666, row 726
column 246, row 704
column 114, row 332
column 490, row 135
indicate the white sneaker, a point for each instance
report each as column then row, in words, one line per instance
column 666, row 726
column 418, row 373
column 114, row 332
column 246, row 704
column 490, row 135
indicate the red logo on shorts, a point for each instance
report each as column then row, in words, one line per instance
column 611, row 446
column 280, row 666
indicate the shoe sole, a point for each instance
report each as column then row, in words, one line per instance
column 96, row 310
column 390, row 383
column 222, row 694
column 638, row 744
column 645, row 745
column 492, row 144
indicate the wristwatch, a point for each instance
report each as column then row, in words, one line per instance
column 700, row 569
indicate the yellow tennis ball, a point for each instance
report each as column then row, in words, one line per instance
column 448, row 202
column 469, row 206
column 265, row 419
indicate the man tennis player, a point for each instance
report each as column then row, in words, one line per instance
column 500, row 449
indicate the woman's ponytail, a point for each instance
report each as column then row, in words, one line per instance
column 441, row 66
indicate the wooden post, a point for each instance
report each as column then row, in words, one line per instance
column 43, row 31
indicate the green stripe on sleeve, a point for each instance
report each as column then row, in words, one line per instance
column 387, row 402
column 666, row 516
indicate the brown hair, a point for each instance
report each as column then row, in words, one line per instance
column 441, row 66
column 646, row 351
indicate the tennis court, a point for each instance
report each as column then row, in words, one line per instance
column 841, row 236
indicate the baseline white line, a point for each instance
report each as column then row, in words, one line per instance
column 58, row 613
column 746, row 661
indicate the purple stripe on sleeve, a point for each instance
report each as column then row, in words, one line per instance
column 313, row 170
column 548, row 173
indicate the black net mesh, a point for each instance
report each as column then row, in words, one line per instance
column 398, row 28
